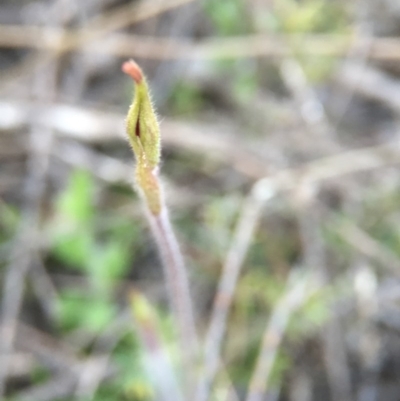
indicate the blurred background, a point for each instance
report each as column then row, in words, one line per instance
column 280, row 132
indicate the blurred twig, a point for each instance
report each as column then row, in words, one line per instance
column 370, row 346
column 311, row 109
column 129, row 13
column 106, row 168
column 59, row 357
column 334, row 351
column 297, row 291
column 94, row 126
column 43, row 287
column 63, row 40
column 242, row 237
column 40, row 141
column 94, row 29
column 371, row 83
column 260, row 45
column 366, row 244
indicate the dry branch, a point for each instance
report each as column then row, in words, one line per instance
column 124, row 45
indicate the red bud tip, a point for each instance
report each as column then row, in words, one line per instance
column 133, row 70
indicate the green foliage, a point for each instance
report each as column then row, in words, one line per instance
column 132, row 382
column 227, row 16
column 98, row 251
column 259, row 288
column 88, row 311
column 317, row 68
column 312, row 17
column 282, row 364
column 75, row 203
column 74, row 248
column 9, row 219
column 317, row 16
column 40, row 375
column 310, row 317
column 72, row 227
column 288, row 17
column 101, row 259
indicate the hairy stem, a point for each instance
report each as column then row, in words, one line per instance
column 176, row 277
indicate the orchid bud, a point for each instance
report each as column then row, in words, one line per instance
column 144, row 137
column 141, row 122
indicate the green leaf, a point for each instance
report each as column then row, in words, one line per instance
column 76, row 202
column 71, row 229
column 227, row 15
column 78, row 309
column 98, row 315
column 75, row 249
column 70, row 307
column 108, row 263
column 9, row 220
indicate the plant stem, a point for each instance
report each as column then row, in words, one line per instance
column 176, row 277
column 178, row 288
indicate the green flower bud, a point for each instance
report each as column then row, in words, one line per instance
column 141, row 122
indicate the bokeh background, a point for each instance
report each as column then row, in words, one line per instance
column 280, row 132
